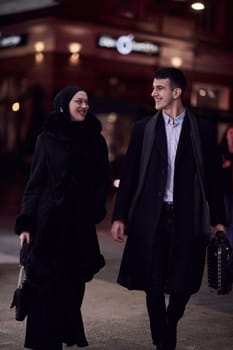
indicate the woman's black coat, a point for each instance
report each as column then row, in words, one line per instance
column 63, row 200
column 66, row 192
column 189, row 243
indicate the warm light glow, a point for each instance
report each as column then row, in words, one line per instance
column 202, row 92
column 15, row 107
column 74, row 58
column 74, row 47
column 39, row 46
column 176, row 61
column 112, row 118
column 39, row 57
column 198, row 6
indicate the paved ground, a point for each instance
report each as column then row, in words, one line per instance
column 114, row 317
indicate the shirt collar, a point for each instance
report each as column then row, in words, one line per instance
column 178, row 120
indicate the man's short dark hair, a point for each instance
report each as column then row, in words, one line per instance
column 175, row 75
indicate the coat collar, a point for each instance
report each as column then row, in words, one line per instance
column 184, row 137
column 62, row 127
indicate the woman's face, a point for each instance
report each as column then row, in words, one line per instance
column 78, row 106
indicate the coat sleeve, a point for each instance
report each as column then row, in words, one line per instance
column 25, row 221
column 102, row 181
column 213, row 174
column 129, row 175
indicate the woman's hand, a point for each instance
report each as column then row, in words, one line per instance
column 118, row 231
column 24, row 236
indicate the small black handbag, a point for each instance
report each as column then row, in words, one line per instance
column 21, row 296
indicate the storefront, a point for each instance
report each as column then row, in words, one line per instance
column 115, row 66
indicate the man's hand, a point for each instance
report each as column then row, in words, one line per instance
column 218, row 227
column 118, row 231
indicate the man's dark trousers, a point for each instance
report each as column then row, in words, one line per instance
column 163, row 319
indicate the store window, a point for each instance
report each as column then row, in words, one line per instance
column 21, row 120
column 116, row 129
column 210, row 96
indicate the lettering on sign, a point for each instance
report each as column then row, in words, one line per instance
column 12, row 41
column 126, row 44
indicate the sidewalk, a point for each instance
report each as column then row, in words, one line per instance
column 114, row 317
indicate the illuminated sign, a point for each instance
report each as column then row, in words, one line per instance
column 126, row 44
column 13, row 41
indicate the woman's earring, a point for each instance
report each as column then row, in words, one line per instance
column 61, row 110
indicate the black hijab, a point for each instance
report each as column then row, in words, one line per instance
column 62, row 99
column 60, row 119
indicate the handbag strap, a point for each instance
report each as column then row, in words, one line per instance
column 21, row 276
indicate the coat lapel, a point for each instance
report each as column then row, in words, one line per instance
column 154, row 134
column 184, row 138
column 161, row 140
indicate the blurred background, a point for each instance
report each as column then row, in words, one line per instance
column 111, row 48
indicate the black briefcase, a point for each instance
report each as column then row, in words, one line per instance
column 220, row 264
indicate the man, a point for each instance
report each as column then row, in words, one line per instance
column 171, row 172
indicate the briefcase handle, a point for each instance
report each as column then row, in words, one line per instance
column 221, row 237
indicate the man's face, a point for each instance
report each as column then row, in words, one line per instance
column 163, row 94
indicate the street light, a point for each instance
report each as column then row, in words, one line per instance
column 74, row 49
column 39, row 51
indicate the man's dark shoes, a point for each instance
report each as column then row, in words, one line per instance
column 165, row 347
column 171, row 337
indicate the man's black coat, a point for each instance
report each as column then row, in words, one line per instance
column 187, row 256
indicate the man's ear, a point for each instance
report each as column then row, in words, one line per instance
column 177, row 92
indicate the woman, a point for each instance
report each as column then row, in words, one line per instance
column 63, row 200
